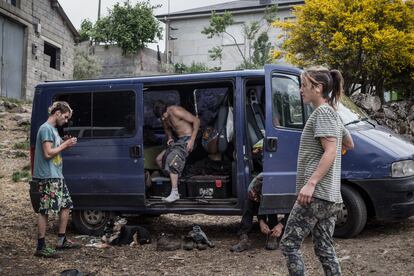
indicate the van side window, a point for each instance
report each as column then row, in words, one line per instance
column 286, row 102
column 101, row 114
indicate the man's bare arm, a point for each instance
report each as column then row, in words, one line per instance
column 167, row 130
column 49, row 152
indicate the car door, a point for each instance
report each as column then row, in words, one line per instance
column 284, row 122
column 105, row 170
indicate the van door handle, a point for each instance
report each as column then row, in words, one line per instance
column 135, row 152
column 271, row 144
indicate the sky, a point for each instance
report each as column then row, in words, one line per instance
column 77, row 10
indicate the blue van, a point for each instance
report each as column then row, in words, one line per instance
column 251, row 121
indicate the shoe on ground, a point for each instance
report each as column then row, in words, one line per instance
column 167, row 243
column 172, row 197
column 47, row 252
column 244, row 244
column 68, row 244
column 201, row 246
column 272, row 243
column 188, row 243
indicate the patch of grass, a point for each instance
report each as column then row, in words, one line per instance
column 19, row 154
column 26, row 168
column 21, row 145
column 22, row 175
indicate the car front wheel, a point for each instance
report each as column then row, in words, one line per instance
column 352, row 217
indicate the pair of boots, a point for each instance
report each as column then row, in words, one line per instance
column 196, row 238
column 272, row 243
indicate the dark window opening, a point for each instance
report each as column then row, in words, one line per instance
column 100, row 114
column 54, row 53
column 13, row 2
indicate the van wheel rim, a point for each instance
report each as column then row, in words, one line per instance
column 93, row 217
column 342, row 216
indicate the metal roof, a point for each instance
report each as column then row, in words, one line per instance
column 239, row 5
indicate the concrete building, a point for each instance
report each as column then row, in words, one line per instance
column 186, row 44
column 36, row 44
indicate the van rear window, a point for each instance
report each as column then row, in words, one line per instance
column 100, row 114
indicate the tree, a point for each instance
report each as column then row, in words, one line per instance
column 130, row 27
column 370, row 41
column 255, row 35
column 85, row 66
column 85, row 31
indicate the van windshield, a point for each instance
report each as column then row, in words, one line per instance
column 350, row 113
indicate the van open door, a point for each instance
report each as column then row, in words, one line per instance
column 283, row 127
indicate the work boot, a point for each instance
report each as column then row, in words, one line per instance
column 243, row 244
column 167, row 243
column 174, row 196
column 272, row 243
column 188, row 243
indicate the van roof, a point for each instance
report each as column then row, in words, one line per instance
column 168, row 78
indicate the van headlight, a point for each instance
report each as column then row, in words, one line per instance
column 402, row 168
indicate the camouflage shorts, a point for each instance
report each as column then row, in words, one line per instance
column 54, row 196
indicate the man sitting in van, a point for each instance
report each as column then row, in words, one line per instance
column 269, row 224
column 184, row 125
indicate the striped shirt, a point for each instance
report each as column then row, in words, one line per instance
column 323, row 122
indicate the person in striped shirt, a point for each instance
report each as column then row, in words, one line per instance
column 318, row 179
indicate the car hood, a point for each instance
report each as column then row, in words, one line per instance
column 389, row 141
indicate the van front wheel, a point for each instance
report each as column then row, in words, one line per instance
column 353, row 215
column 90, row 222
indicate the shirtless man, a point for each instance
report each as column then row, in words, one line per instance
column 184, row 125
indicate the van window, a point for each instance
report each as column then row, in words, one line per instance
column 286, row 102
column 100, row 114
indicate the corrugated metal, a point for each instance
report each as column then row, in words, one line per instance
column 12, row 41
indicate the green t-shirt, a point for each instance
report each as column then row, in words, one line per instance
column 47, row 168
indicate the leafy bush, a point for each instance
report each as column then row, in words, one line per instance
column 19, row 176
column 21, row 145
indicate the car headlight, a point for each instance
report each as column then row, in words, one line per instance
column 402, row 168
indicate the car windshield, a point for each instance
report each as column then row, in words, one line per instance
column 350, row 113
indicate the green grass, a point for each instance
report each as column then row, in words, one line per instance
column 19, row 154
column 22, row 175
column 21, row 145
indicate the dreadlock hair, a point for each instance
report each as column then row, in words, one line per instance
column 331, row 80
column 159, row 108
column 61, row 106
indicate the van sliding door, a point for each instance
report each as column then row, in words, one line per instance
column 105, row 169
column 284, row 123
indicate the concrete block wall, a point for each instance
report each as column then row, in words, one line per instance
column 115, row 65
column 54, row 30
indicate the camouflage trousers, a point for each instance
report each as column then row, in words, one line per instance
column 317, row 218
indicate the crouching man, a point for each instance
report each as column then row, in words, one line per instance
column 269, row 224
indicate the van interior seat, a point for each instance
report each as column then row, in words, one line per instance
column 255, row 117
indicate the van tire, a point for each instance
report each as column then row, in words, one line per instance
column 90, row 222
column 352, row 218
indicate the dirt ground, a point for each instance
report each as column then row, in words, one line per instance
column 381, row 249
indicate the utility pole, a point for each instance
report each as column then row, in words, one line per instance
column 99, row 9
column 167, row 34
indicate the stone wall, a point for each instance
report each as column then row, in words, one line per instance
column 398, row 116
column 43, row 22
column 115, row 65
